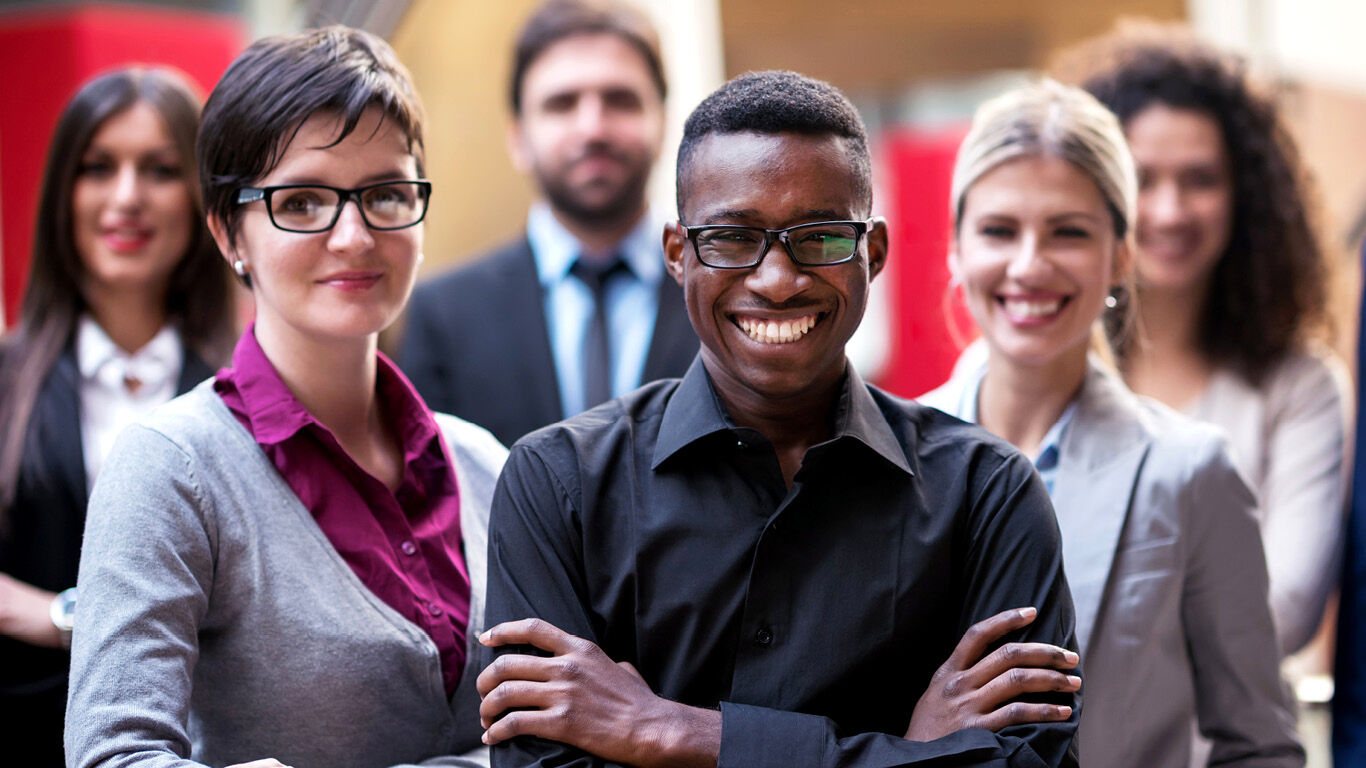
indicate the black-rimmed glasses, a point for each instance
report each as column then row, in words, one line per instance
column 316, row 207
column 819, row 244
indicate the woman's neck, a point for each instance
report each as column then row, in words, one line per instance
column 333, row 379
column 1021, row 403
column 1167, row 363
column 131, row 319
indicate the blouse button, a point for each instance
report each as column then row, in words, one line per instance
column 433, row 609
column 408, row 547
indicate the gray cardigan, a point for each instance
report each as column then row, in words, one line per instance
column 218, row 625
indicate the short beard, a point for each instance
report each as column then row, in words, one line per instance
column 617, row 210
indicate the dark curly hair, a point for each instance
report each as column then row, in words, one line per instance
column 1268, row 291
column 779, row 102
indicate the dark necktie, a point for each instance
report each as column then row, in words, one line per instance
column 597, row 354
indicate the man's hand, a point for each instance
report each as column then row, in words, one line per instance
column 582, row 698
column 969, row 691
column 269, row 762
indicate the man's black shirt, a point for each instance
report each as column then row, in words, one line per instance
column 813, row 618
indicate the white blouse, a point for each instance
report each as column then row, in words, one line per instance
column 118, row 388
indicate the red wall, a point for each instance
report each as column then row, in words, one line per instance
column 928, row 323
column 45, row 55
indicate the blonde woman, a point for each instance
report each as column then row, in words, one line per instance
column 1160, row 544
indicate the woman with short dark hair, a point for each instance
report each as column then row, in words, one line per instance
column 287, row 563
column 1233, row 286
column 127, row 304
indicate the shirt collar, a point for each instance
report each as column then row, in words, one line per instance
column 555, row 248
column 276, row 414
column 159, row 359
column 1050, row 448
column 694, row 412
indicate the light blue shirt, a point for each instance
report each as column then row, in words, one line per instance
column 1050, row 448
column 632, row 302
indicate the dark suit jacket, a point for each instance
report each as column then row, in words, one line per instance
column 43, row 548
column 476, row 344
column 1349, row 696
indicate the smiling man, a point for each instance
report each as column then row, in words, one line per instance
column 579, row 309
column 765, row 562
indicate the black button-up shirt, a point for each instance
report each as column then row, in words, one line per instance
column 812, row 617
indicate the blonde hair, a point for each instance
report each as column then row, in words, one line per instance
column 1048, row 118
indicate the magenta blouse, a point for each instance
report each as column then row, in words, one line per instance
column 404, row 545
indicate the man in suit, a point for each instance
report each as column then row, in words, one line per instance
column 578, row 310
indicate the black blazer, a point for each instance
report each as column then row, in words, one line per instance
column 476, row 343
column 43, row 547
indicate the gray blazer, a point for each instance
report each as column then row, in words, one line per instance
column 1165, row 562
column 217, row 624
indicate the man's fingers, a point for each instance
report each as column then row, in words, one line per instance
column 525, row 723
column 537, row 632
column 981, row 635
column 1021, row 655
column 1020, row 681
column 514, row 693
column 514, row 666
column 1020, row 713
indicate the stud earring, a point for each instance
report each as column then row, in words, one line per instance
column 1111, row 302
column 240, row 268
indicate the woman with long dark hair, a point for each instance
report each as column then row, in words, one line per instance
column 127, row 305
column 1233, row 284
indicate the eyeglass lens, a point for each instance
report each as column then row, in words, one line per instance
column 386, row 206
column 819, row 244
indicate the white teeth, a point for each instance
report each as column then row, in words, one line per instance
column 777, row 332
column 1022, row 308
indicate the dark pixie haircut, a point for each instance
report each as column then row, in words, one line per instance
column 1268, row 291
column 268, row 92
column 556, row 20
column 779, row 102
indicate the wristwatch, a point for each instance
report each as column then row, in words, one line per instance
column 63, row 614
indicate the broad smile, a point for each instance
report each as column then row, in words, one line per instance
column 777, row 331
column 1032, row 310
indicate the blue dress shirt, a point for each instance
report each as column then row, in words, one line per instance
column 632, row 302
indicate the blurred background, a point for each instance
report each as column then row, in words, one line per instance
column 916, row 69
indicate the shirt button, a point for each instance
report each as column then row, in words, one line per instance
column 741, row 444
column 764, row 636
column 408, row 547
column 433, row 609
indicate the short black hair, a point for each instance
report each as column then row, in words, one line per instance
column 556, row 20
column 279, row 82
column 778, row 101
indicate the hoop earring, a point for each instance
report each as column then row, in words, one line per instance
column 240, row 268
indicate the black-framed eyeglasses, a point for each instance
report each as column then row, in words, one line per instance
column 316, row 207
column 819, row 244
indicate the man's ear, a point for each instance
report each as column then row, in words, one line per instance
column 675, row 250
column 877, row 246
column 516, row 146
